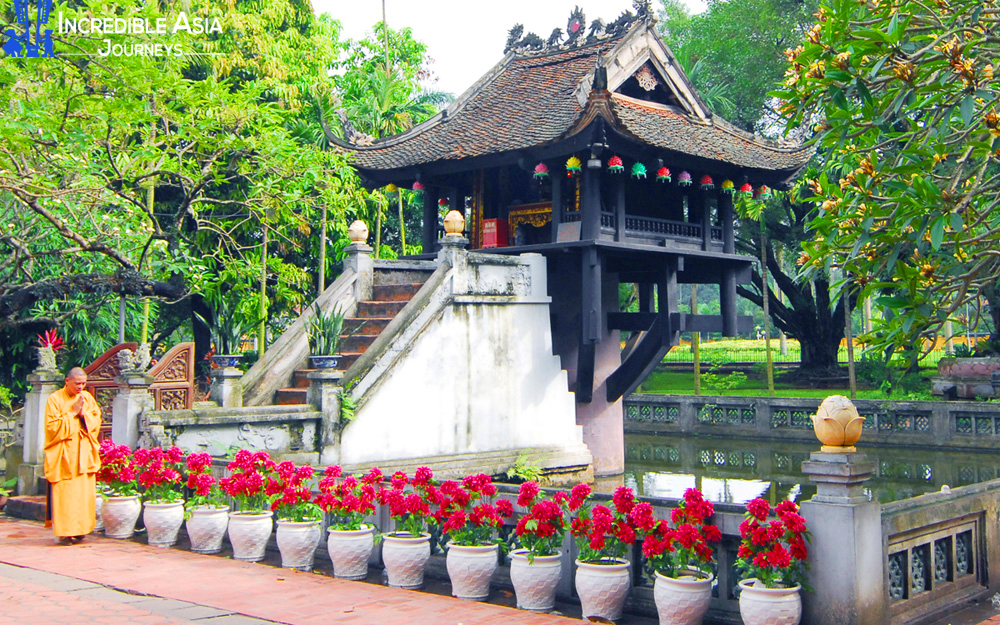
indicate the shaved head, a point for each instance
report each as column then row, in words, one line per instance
column 76, row 381
column 76, row 372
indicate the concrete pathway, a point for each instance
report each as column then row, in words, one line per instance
column 117, row 581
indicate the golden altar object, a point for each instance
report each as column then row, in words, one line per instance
column 537, row 214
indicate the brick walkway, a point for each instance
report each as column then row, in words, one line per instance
column 115, row 581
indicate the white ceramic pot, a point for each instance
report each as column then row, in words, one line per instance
column 760, row 605
column 297, row 542
column 603, row 588
column 682, row 600
column 249, row 533
column 120, row 515
column 98, row 504
column 163, row 521
column 535, row 582
column 471, row 569
column 405, row 557
column 350, row 551
column 206, row 528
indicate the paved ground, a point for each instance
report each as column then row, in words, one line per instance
column 114, row 581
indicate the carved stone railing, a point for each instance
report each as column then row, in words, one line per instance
column 957, row 425
column 662, row 227
column 937, row 549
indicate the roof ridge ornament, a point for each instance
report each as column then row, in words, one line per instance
column 576, row 35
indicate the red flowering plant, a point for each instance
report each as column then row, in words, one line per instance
column 467, row 513
column 679, row 547
column 250, row 474
column 159, row 474
column 349, row 499
column 51, row 340
column 773, row 552
column 118, row 472
column 603, row 534
column 205, row 491
column 409, row 500
column 291, row 495
column 541, row 530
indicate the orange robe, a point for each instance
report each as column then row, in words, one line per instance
column 72, row 460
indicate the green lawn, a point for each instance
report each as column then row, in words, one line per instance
column 682, row 383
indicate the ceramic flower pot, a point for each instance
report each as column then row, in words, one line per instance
column 603, row 588
column 350, row 551
column 227, row 360
column 98, row 504
column 471, row 569
column 249, row 533
column 297, row 542
column 682, row 600
column 535, row 581
column 760, row 605
column 206, row 528
column 405, row 557
column 163, row 521
column 324, row 362
column 119, row 515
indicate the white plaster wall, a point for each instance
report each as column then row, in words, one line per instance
column 480, row 376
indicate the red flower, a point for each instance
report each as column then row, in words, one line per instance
column 333, row 471
column 505, row 508
column 641, row 516
column 527, row 493
column 759, row 508
column 623, row 499
column 794, row 522
column 578, row 495
column 455, row 522
column 785, row 507
column 712, row 533
column 423, row 476
column 597, row 541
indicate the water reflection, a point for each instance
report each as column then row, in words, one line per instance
column 734, row 471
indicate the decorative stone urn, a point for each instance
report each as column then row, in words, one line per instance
column 350, row 551
column 470, row 569
column 162, row 521
column 837, row 424
column 357, row 232
column 603, row 588
column 535, row 581
column 454, row 223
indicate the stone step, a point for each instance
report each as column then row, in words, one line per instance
column 347, row 359
column 300, row 378
column 379, row 309
column 371, row 326
column 290, row 396
column 395, row 292
column 356, row 343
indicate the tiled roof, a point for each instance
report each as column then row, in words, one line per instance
column 715, row 139
column 530, row 101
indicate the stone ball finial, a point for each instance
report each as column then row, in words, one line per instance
column 837, row 424
column 454, row 223
column 358, row 232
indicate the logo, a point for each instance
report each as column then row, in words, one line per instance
column 21, row 45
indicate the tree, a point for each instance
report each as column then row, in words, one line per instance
column 91, row 138
column 902, row 100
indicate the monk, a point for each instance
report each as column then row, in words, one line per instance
column 72, row 460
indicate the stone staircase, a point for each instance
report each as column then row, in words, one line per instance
column 360, row 332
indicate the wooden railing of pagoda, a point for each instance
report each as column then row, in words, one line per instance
column 173, row 380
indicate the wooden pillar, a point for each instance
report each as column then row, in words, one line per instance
column 706, row 220
column 430, row 220
column 590, row 202
column 666, row 298
column 556, row 205
column 620, row 208
column 727, row 288
column 646, row 297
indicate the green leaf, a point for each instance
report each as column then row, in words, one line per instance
column 891, row 301
column 968, row 109
column 957, row 222
column 837, row 94
column 937, row 234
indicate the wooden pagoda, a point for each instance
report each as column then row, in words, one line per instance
column 596, row 152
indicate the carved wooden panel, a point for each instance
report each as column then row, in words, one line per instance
column 101, row 383
column 173, row 378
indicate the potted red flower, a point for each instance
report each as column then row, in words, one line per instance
column 349, row 500
column 298, row 516
column 603, row 536
column 772, row 556
column 406, row 550
column 160, row 478
column 250, row 526
column 207, row 514
column 535, row 568
column 471, row 520
column 119, row 490
column 680, row 555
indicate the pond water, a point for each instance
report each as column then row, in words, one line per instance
column 736, row 471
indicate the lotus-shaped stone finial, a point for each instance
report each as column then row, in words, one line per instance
column 837, row 424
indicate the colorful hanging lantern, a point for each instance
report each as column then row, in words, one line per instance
column 706, row 182
column 615, row 165
column 418, row 187
column 746, row 190
column 727, row 186
column 391, row 188
column 541, row 172
column 764, row 192
column 443, row 204
column 638, row 170
column 684, row 179
column 663, row 174
column 572, row 166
